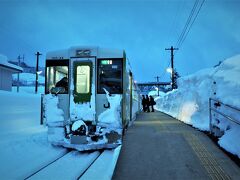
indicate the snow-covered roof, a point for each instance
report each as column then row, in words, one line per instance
column 4, row 63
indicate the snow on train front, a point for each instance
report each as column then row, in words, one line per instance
column 77, row 114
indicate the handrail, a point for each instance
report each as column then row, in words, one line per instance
column 226, row 116
column 219, row 103
column 233, row 107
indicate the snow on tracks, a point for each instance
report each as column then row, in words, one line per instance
column 67, row 167
column 80, row 165
column 104, row 166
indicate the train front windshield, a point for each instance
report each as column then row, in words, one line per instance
column 57, row 75
column 110, row 76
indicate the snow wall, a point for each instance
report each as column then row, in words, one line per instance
column 190, row 102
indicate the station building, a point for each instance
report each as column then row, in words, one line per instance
column 6, row 71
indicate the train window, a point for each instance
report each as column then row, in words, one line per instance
column 56, row 76
column 110, row 76
column 82, row 81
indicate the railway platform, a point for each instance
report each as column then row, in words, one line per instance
column 158, row 146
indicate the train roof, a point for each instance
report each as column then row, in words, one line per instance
column 85, row 51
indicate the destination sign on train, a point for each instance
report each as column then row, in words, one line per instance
column 83, row 52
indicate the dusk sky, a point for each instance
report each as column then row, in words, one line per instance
column 143, row 28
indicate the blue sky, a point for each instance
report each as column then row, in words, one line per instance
column 143, row 28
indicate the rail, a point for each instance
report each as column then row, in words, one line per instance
column 217, row 104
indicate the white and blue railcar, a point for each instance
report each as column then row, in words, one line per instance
column 90, row 97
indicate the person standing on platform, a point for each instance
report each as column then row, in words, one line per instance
column 144, row 103
column 151, row 102
column 147, row 103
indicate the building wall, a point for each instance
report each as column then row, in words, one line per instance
column 5, row 79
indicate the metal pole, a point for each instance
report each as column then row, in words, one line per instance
column 158, row 83
column 172, row 66
column 36, row 84
column 18, row 74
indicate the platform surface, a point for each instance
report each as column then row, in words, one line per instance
column 160, row 147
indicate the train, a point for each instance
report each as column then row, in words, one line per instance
column 90, row 97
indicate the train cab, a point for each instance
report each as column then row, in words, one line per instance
column 89, row 94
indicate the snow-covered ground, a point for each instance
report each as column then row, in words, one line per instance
column 25, row 147
column 23, row 141
column 190, row 102
column 28, row 78
column 28, row 89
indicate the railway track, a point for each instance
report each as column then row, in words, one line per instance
column 79, row 165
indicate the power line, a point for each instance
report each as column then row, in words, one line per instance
column 192, row 23
column 186, row 26
column 172, row 27
column 180, row 8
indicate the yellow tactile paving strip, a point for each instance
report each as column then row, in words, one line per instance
column 208, row 161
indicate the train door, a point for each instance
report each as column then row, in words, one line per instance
column 109, row 78
column 83, row 89
column 56, row 82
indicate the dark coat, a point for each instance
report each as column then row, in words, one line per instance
column 152, row 102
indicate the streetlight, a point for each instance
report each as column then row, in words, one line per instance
column 169, row 70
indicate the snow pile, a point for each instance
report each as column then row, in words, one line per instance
column 83, row 111
column 100, row 166
column 54, row 118
column 23, row 141
column 112, row 115
column 53, row 114
column 28, row 79
column 78, row 124
column 155, row 93
column 190, row 102
column 28, row 89
column 229, row 140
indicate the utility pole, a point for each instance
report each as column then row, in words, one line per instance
column 172, row 56
column 157, row 77
column 19, row 63
column 36, row 84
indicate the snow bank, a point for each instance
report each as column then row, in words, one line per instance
column 82, row 111
column 100, row 165
column 190, row 102
column 52, row 113
column 112, row 115
column 155, row 93
column 54, row 118
column 28, row 78
column 23, row 141
column 28, row 89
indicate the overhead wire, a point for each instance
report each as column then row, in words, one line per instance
column 191, row 24
column 187, row 23
column 171, row 31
